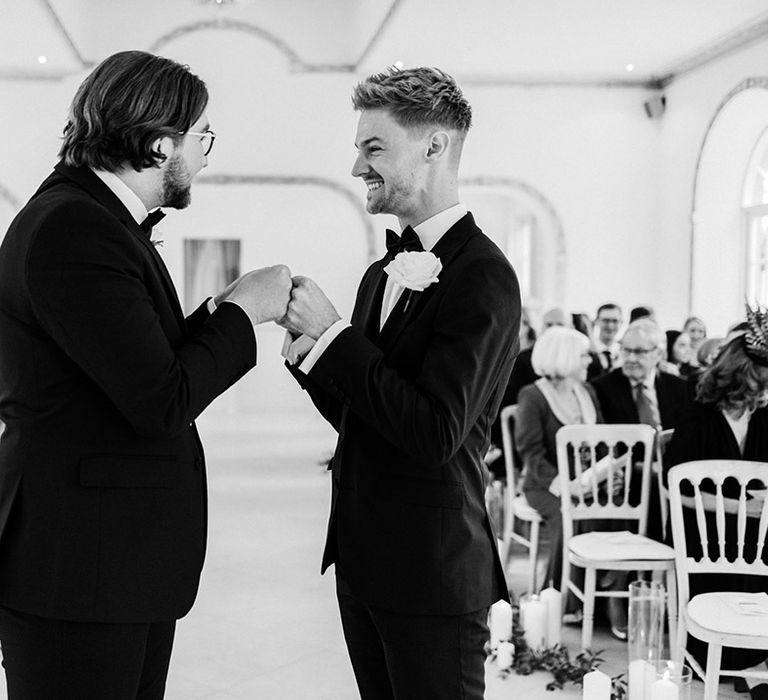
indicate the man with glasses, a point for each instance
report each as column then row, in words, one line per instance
column 102, row 473
column 639, row 392
column 608, row 322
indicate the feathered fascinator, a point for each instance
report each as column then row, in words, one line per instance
column 756, row 336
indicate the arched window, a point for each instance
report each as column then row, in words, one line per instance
column 755, row 203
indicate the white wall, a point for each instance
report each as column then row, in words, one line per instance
column 619, row 182
column 692, row 102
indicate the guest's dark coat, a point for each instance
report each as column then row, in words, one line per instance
column 705, row 434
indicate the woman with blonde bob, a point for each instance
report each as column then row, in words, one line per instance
column 560, row 397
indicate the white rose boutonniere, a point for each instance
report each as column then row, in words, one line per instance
column 414, row 270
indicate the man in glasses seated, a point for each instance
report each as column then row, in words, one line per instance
column 639, row 392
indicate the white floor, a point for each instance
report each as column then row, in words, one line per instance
column 265, row 624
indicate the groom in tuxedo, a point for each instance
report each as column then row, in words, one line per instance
column 102, row 476
column 412, row 384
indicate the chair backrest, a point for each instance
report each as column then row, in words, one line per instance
column 581, row 447
column 662, row 440
column 716, row 522
column 507, row 419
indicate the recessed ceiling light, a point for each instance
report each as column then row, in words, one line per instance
column 42, row 59
column 629, row 67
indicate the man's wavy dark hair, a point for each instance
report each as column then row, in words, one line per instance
column 129, row 101
column 416, row 97
column 734, row 381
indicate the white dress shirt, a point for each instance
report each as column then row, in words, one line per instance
column 429, row 233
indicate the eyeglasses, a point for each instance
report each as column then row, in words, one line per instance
column 207, row 138
column 640, row 352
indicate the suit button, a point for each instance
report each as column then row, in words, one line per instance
column 330, row 381
column 198, row 463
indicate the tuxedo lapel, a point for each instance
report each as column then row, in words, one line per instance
column 410, row 302
column 368, row 309
column 92, row 184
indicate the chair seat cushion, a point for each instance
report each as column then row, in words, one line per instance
column 523, row 510
column 612, row 546
column 721, row 613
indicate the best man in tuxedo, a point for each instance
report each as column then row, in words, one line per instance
column 413, row 385
column 102, row 474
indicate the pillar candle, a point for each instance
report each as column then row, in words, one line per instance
column 501, row 623
column 534, row 617
column 641, row 675
column 504, row 654
column 664, row 689
column 597, row 686
column 553, row 602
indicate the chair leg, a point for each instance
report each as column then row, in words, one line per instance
column 564, row 579
column 590, row 578
column 672, row 610
column 533, row 557
column 712, row 680
column 681, row 637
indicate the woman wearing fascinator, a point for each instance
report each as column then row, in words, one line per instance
column 728, row 420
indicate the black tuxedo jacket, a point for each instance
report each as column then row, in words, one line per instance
column 102, row 477
column 413, row 405
column 614, row 392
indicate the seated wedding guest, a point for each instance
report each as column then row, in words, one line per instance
column 608, row 322
column 560, row 397
column 523, row 373
column 707, row 351
column 679, row 352
column 697, row 332
column 639, row 312
column 638, row 392
column 705, row 355
column 729, row 420
column 582, row 323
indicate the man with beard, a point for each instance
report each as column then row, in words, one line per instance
column 102, row 474
column 413, row 385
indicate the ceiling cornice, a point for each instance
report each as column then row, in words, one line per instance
column 387, row 19
column 731, row 43
column 65, row 34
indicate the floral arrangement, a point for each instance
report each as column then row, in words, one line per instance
column 556, row 660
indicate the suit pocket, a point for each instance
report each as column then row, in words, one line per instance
column 421, row 492
column 133, row 471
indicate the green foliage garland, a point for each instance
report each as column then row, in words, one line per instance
column 557, row 661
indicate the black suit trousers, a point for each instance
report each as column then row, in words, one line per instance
column 46, row 659
column 400, row 656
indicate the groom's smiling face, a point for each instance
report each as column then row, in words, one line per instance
column 390, row 162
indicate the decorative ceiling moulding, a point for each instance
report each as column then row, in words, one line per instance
column 297, row 64
column 66, row 35
column 513, row 184
column 552, row 82
column 302, row 180
column 736, row 40
column 393, row 8
column 746, row 84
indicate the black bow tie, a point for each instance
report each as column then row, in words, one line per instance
column 152, row 218
column 409, row 241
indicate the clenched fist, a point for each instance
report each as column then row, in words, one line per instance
column 309, row 312
column 263, row 294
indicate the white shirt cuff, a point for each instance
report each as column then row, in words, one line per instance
column 295, row 350
column 211, row 304
column 317, row 348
